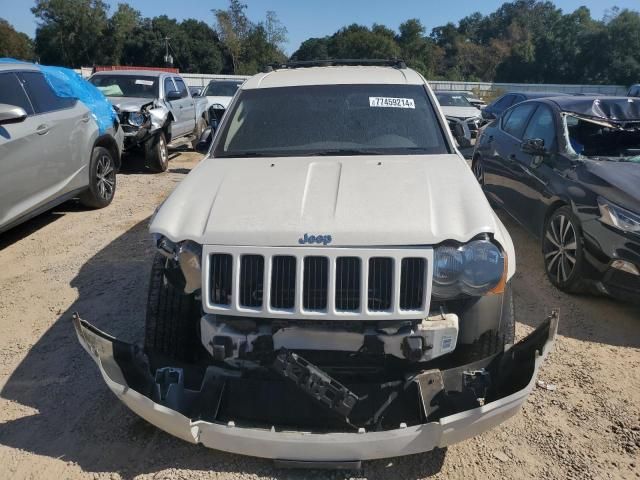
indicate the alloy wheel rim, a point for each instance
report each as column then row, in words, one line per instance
column 163, row 151
column 561, row 246
column 105, row 177
column 477, row 171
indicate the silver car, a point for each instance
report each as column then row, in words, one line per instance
column 50, row 149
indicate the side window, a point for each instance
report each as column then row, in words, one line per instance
column 542, row 126
column 182, row 88
column 41, row 94
column 168, row 86
column 518, row 99
column 12, row 93
column 517, row 120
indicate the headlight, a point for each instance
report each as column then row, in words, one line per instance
column 618, row 217
column 188, row 255
column 475, row 269
column 136, row 119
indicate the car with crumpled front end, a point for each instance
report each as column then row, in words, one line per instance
column 156, row 109
column 464, row 118
column 56, row 144
column 568, row 169
column 330, row 283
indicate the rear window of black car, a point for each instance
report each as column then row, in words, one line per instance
column 332, row 119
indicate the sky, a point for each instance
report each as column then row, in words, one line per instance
column 316, row 18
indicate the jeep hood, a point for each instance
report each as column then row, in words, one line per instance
column 359, row 201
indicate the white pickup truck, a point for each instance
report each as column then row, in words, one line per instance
column 155, row 109
column 330, row 283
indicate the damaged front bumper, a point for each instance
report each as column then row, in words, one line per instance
column 450, row 404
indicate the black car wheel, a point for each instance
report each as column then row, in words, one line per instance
column 562, row 249
column 476, row 167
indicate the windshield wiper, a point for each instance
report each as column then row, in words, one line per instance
column 342, row 151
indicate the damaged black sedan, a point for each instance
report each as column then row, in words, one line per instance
column 568, row 169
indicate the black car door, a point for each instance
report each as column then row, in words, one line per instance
column 534, row 171
column 502, row 174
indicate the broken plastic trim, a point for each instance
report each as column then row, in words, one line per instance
column 514, row 371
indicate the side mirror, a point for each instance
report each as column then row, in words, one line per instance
column 487, row 115
column 11, row 114
column 204, row 142
column 173, row 95
column 535, row 147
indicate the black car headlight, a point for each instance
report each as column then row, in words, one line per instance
column 618, row 217
column 475, row 268
column 136, row 119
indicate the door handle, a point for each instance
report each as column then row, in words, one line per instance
column 85, row 118
column 512, row 158
column 42, row 129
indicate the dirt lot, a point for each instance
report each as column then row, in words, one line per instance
column 58, row 419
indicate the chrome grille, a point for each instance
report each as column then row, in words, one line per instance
column 412, row 283
column 318, row 282
column 251, row 280
column 221, row 270
column 316, row 278
column 380, row 283
column 347, row 292
column 283, row 281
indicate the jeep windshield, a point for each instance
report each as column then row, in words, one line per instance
column 332, row 120
column 131, row 86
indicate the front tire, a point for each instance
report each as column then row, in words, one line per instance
column 171, row 327
column 156, row 154
column 563, row 250
column 102, row 179
column 200, row 126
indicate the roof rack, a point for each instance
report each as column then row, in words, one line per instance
column 393, row 62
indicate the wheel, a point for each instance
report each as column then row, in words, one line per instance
column 478, row 171
column 563, row 250
column 156, row 154
column 102, row 179
column 171, row 327
column 200, row 126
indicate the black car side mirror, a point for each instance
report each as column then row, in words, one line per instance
column 204, row 142
column 535, row 147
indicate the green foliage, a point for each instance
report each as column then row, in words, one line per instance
column 14, row 44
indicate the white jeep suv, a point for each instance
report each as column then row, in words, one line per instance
column 331, row 284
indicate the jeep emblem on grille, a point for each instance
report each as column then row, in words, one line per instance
column 315, row 239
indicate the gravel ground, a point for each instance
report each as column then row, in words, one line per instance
column 58, row 419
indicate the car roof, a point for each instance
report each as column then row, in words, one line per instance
column 18, row 66
column 334, row 75
column 141, row 73
column 531, row 95
column 607, row 108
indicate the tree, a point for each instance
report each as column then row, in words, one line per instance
column 233, row 29
column 357, row 41
column 420, row 52
column 14, row 44
column 312, row 49
column 275, row 31
column 70, row 32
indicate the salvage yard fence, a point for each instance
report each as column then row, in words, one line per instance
column 487, row 90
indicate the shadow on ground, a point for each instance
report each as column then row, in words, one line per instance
column 77, row 419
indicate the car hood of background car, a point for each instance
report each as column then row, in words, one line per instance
column 461, row 112
column 129, row 104
column 358, row 201
column 621, row 180
column 224, row 101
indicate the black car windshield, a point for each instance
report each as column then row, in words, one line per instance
column 221, row 89
column 453, row 100
column 126, row 85
column 332, row 120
